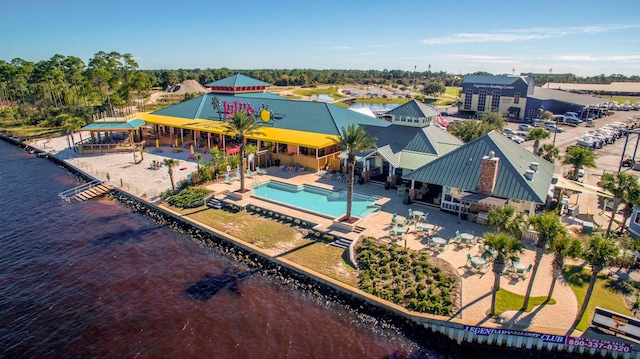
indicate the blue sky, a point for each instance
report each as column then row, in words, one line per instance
column 581, row 37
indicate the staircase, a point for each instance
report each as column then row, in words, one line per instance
column 342, row 243
column 86, row 191
column 215, row 203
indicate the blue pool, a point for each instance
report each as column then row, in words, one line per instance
column 316, row 200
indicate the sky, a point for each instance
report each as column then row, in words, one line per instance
column 585, row 37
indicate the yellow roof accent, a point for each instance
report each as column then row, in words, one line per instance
column 279, row 135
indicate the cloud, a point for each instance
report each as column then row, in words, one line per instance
column 591, row 58
column 343, row 47
column 536, row 33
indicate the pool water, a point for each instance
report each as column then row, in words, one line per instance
column 316, row 200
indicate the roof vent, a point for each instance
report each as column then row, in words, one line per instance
column 534, row 166
column 529, row 175
column 492, row 154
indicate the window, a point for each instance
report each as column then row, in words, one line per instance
column 482, row 100
column 468, row 96
column 495, row 100
column 637, row 219
column 516, row 97
column 531, row 113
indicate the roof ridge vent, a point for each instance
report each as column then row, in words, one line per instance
column 534, row 166
column 528, row 174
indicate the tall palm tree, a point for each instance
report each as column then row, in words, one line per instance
column 549, row 228
column 353, row 139
column 507, row 219
column 600, row 251
column 242, row 125
column 563, row 247
column 620, row 185
column 579, row 156
column 499, row 248
column 549, row 152
column 170, row 163
column 536, row 135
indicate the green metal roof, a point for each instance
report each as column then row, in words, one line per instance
column 318, row 117
column 460, row 168
column 414, row 108
column 238, row 80
column 411, row 147
column 114, row 126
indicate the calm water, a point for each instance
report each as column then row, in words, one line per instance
column 315, row 199
column 375, row 106
column 93, row 279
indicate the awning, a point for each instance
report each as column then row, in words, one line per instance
column 482, row 199
column 561, row 182
column 271, row 134
column 114, row 126
column 514, row 109
column 232, row 150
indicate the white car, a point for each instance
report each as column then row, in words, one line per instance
column 553, row 128
column 508, row 131
column 516, row 139
column 525, row 127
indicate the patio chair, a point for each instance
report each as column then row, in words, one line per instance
column 410, row 213
column 228, row 179
column 238, row 174
column 249, row 173
column 296, row 168
column 285, row 167
column 260, row 171
column 336, row 176
column 326, row 174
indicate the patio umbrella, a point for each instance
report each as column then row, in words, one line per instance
column 157, row 143
column 191, row 149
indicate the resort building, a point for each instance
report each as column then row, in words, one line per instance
column 487, row 172
column 301, row 134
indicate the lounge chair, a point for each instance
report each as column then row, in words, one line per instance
column 296, row 168
column 249, row 173
column 238, row 176
column 285, row 167
column 228, row 179
column 260, row 171
column 336, row 176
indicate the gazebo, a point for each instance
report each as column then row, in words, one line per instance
column 112, row 136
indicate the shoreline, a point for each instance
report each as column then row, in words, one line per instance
column 418, row 327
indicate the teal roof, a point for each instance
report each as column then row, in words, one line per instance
column 238, row 80
column 414, row 108
column 115, row 125
column 460, row 168
column 318, row 117
column 417, row 139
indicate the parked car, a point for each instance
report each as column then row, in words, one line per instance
column 572, row 121
column 553, row 128
column 573, row 115
column 508, row 131
column 525, row 127
column 516, row 139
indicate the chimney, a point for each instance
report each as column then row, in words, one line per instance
column 534, row 166
column 488, row 173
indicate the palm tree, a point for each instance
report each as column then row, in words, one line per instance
column 536, row 135
column 563, row 247
column 549, row 152
column 549, row 228
column 599, row 253
column 507, row 219
column 353, row 139
column 500, row 248
column 630, row 202
column 579, row 156
column 620, row 185
column 242, row 125
column 170, row 163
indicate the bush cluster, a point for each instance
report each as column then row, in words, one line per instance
column 279, row 216
column 189, row 197
column 404, row 277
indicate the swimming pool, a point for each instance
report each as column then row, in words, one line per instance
column 316, row 200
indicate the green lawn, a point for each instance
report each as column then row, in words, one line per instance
column 605, row 295
column 19, row 130
column 329, row 91
column 506, row 300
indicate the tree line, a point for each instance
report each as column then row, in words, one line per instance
column 112, row 84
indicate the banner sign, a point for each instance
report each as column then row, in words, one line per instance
column 617, row 323
column 558, row 339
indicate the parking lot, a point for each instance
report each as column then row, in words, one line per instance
column 607, row 158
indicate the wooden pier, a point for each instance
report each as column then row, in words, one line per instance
column 86, row 191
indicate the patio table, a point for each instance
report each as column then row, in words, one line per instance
column 518, row 265
column 438, row 240
column 398, row 230
column 478, row 261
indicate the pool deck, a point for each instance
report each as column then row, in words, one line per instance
column 120, row 170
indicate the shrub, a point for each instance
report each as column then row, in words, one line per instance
column 189, row 197
column 297, row 222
